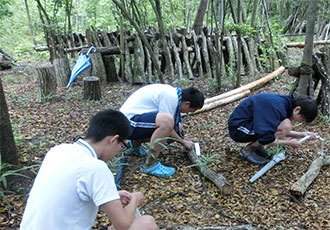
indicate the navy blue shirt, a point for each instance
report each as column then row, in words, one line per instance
column 262, row 113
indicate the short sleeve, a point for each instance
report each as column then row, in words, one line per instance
column 96, row 182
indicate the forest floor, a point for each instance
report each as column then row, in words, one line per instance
column 185, row 198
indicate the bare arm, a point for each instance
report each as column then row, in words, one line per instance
column 188, row 144
column 122, row 217
column 295, row 134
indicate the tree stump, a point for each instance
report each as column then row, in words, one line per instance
column 92, row 88
column 46, row 82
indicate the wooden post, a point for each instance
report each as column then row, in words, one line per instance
column 92, row 89
column 46, row 82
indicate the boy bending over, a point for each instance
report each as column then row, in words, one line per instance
column 266, row 119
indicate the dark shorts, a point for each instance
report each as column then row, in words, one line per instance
column 142, row 126
column 242, row 134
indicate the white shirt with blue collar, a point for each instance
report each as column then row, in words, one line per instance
column 70, row 186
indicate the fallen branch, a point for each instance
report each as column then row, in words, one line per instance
column 224, row 101
column 239, row 227
column 219, row 180
column 248, row 86
column 300, row 186
column 302, row 44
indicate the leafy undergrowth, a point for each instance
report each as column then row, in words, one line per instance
column 185, row 198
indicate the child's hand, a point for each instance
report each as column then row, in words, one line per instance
column 188, row 144
column 125, row 197
column 294, row 143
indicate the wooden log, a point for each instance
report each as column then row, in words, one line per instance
column 302, row 44
column 248, row 86
column 138, row 62
column 92, row 88
column 223, row 101
column 247, row 57
column 97, row 67
column 197, row 55
column 300, row 186
column 219, row 180
column 46, row 82
column 128, row 65
column 178, row 63
column 206, row 57
column 231, row 53
column 238, row 227
column 110, row 68
column 186, row 58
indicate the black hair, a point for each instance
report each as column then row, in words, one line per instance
column 308, row 107
column 108, row 123
column 194, row 96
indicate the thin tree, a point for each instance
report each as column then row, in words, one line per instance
column 306, row 67
column 198, row 23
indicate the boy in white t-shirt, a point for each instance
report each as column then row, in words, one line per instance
column 154, row 112
column 74, row 181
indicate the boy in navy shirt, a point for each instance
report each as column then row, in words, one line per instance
column 267, row 118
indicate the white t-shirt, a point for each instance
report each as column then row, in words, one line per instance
column 151, row 98
column 70, row 186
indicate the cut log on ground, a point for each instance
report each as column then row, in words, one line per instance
column 248, row 86
column 224, row 101
column 302, row 44
column 219, row 180
column 92, row 89
column 238, row 227
column 300, row 186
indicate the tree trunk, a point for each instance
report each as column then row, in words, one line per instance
column 92, row 89
column 46, row 82
column 305, row 80
column 8, row 150
column 199, row 16
column 62, row 70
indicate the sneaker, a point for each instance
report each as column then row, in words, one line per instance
column 141, row 151
column 159, row 170
column 253, row 158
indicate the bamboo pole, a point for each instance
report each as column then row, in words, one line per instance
column 223, row 101
column 248, row 86
column 302, row 44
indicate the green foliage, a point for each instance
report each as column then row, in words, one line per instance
column 183, row 82
column 204, row 161
column 4, row 9
column 325, row 118
column 212, row 82
column 8, row 170
column 275, row 150
column 245, row 29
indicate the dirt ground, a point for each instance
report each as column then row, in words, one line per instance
column 185, row 198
